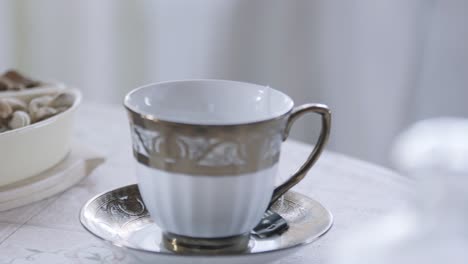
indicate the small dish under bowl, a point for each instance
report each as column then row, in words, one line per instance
column 30, row 150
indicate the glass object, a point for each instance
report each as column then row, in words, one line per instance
column 432, row 227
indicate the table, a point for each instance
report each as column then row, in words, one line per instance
column 49, row 231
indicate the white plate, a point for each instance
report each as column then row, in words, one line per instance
column 78, row 164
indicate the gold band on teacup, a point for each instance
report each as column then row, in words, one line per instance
column 190, row 168
column 206, row 149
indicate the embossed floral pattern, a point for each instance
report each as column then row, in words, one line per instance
column 206, row 152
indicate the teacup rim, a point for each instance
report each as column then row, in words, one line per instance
column 155, row 119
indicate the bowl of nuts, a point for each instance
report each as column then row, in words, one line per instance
column 35, row 130
column 14, row 83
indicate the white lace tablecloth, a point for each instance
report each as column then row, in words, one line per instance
column 49, row 231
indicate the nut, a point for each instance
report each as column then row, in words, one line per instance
column 62, row 100
column 6, row 84
column 39, row 102
column 43, row 113
column 5, row 109
column 19, row 119
column 16, row 104
column 20, row 80
column 61, row 109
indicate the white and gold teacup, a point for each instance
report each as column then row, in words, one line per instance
column 207, row 155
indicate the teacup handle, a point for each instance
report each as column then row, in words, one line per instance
column 322, row 141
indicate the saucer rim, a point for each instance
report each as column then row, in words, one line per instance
column 170, row 254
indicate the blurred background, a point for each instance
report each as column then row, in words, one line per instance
column 380, row 65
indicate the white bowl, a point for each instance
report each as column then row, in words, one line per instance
column 30, row 150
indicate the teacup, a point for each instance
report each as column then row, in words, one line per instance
column 207, row 155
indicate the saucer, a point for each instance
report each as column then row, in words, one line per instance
column 119, row 217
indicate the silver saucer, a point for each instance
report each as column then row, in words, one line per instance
column 120, row 218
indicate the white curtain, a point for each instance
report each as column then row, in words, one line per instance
column 379, row 64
